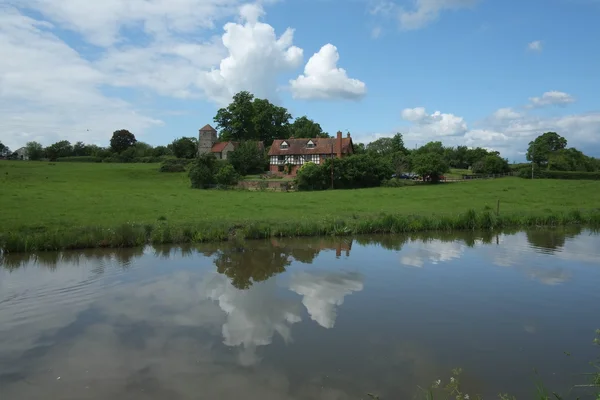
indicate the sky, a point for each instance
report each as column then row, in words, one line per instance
column 487, row 73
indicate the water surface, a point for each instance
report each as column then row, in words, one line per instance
column 301, row 319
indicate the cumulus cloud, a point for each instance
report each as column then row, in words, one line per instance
column 323, row 292
column 552, row 98
column 49, row 92
column 536, row 46
column 102, row 23
column 427, row 11
column 255, row 57
column 506, row 114
column 436, row 124
column 323, row 79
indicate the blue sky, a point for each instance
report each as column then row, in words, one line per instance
column 481, row 73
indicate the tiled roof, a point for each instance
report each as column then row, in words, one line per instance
column 322, row 146
column 219, row 147
column 207, row 127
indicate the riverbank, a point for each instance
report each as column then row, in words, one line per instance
column 135, row 234
column 67, row 206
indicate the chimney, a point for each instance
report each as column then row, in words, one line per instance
column 348, row 135
column 339, row 144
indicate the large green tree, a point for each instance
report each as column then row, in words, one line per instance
column 247, row 158
column 387, row 146
column 544, row 146
column 248, row 118
column 122, row 140
column 185, row 147
column 59, row 149
column 303, row 127
column 35, row 151
column 430, row 165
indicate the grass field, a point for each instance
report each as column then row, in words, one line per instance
column 38, row 198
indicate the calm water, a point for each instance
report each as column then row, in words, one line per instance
column 301, row 319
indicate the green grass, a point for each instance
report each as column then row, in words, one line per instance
column 52, row 206
column 456, row 173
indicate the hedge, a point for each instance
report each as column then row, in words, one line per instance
column 82, row 159
column 572, row 175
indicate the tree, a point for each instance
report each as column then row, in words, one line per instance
column 475, row 155
column 247, row 158
column 122, row 140
column 203, row 170
column 143, row 150
column 431, row 147
column 491, row 164
column 247, row 118
column 80, row 149
column 430, row 165
column 544, row 146
column 235, row 122
column 160, row 151
column 185, row 147
column 4, row 150
column 306, row 128
column 387, row 146
column 59, row 149
column 227, row 176
column 35, row 151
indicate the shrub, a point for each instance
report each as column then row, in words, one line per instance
column 227, row 176
column 247, row 158
column 203, row 170
column 311, row 177
column 572, row 175
column 174, row 165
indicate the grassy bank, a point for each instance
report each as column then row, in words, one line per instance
column 71, row 205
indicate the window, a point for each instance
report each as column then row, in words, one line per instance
column 281, row 168
column 281, row 158
column 284, row 145
column 310, row 144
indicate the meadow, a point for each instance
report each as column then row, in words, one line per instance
column 61, row 203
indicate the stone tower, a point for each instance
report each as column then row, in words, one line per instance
column 206, row 139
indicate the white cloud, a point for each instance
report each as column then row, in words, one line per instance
column 536, row 45
column 102, row 22
column 46, row 88
column 256, row 57
column 506, row 114
column 427, row 11
column 436, row 124
column 323, row 79
column 323, row 292
column 552, row 98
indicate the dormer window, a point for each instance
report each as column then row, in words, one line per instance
column 310, row 144
column 284, row 145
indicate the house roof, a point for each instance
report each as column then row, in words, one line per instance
column 220, row 146
column 207, row 127
column 322, row 146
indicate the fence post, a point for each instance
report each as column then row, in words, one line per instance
column 498, row 208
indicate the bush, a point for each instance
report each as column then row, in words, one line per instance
column 247, row 158
column 577, row 175
column 227, row 176
column 572, row 175
column 312, row 177
column 82, row 159
column 174, row 165
column 203, row 170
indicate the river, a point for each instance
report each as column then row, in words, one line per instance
column 324, row 318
